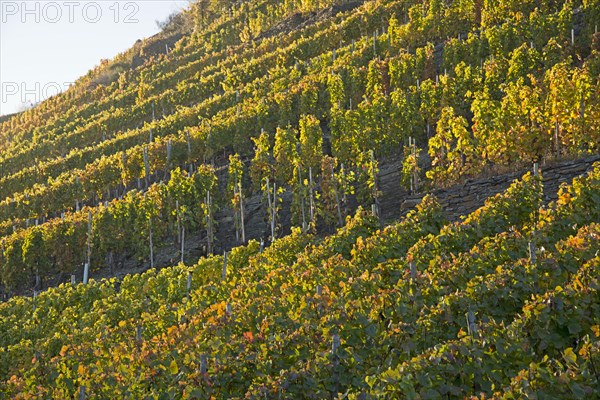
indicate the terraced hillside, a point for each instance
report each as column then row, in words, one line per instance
column 262, row 129
column 504, row 303
column 309, row 97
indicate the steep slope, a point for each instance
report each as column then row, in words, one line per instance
column 486, row 306
column 309, row 98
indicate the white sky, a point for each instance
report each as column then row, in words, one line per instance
column 44, row 44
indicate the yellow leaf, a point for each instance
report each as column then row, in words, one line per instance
column 171, row 331
column 173, row 367
column 81, row 370
column 570, row 356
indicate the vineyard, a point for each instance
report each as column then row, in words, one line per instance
column 280, row 122
column 503, row 303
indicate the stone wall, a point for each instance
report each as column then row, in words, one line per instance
column 465, row 198
column 457, row 200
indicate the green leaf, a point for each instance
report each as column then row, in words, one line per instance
column 574, row 327
column 577, row 390
column 431, row 394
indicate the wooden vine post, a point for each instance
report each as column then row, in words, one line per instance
column 301, row 197
column 242, row 224
column 138, row 336
column 344, row 189
column 178, row 218
column 86, row 272
column 335, row 346
column 151, row 138
column 224, row 271
column 274, row 211
column 188, row 290
column 150, row 239
column 180, row 230
column 209, row 223
column 337, row 198
column 146, row 167
column 86, row 267
column 271, row 207
column 414, row 176
column 318, row 294
column 203, row 364
column 376, row 210
column 581, row 116
column 151, row 244
column 556, row 139
column 169, row 151
column 189, row 150
column 311, row 196
column 374, row 44
column 532, row 255
column 236, row 216
column 182, row 243
column 471, row 326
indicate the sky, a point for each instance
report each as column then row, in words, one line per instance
column 45, row 45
